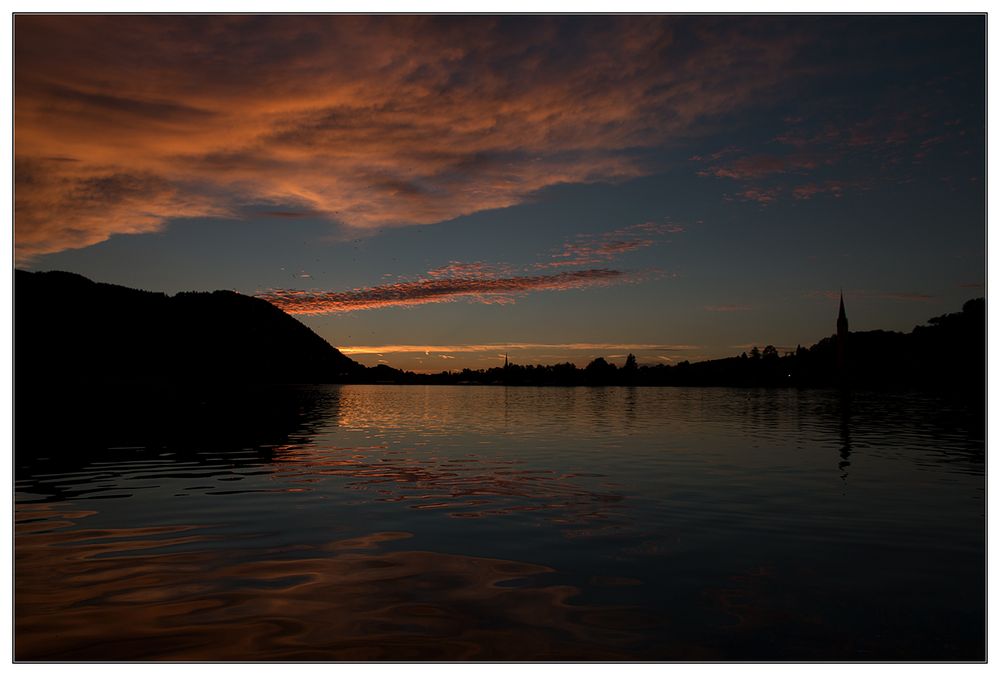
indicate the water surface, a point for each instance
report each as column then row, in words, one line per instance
column 492, row 523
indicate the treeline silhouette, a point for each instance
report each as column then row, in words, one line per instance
column 949, row 352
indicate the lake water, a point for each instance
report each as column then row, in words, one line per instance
column 491, row 523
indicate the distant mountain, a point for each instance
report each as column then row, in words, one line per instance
column 70, row 330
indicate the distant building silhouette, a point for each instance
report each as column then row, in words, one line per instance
column 842, row 340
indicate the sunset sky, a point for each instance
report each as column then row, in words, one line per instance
column 435, row 192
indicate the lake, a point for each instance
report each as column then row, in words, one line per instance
column 488, row 523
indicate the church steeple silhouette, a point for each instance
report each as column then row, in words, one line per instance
column 842, row 339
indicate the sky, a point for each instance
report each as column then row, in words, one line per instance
column 434, row 192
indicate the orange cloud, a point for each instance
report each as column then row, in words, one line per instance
column 763, row 196
column 421, row 292
column 601, row 248
column 126, row 122
column 835, row 188
column 476, row 269
column 757, row 166
column 857, row 154
column 500, row 349
column 483, row 282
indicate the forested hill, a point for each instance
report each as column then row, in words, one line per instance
column 69, row 329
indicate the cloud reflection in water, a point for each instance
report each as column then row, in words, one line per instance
column 132, row 594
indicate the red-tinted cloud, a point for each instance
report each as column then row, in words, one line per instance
column 126, row 122
column 420, row 292
column 762, row 196
column 758, row 166
column 810, row 190
column 477, row 270
column 833, row 153
column 601, row 248
column 501, row 348
column 484, row 282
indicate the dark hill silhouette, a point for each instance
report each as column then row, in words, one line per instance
column 100, row 366
column 69, row 329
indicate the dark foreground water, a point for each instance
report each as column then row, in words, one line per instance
column 491, row 523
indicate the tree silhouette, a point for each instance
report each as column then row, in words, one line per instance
column 629, row 371
column 600, row 372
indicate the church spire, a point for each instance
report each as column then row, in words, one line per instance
column 842, row 340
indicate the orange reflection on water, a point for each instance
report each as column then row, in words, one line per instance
column 167, row 594
column 495, row 487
